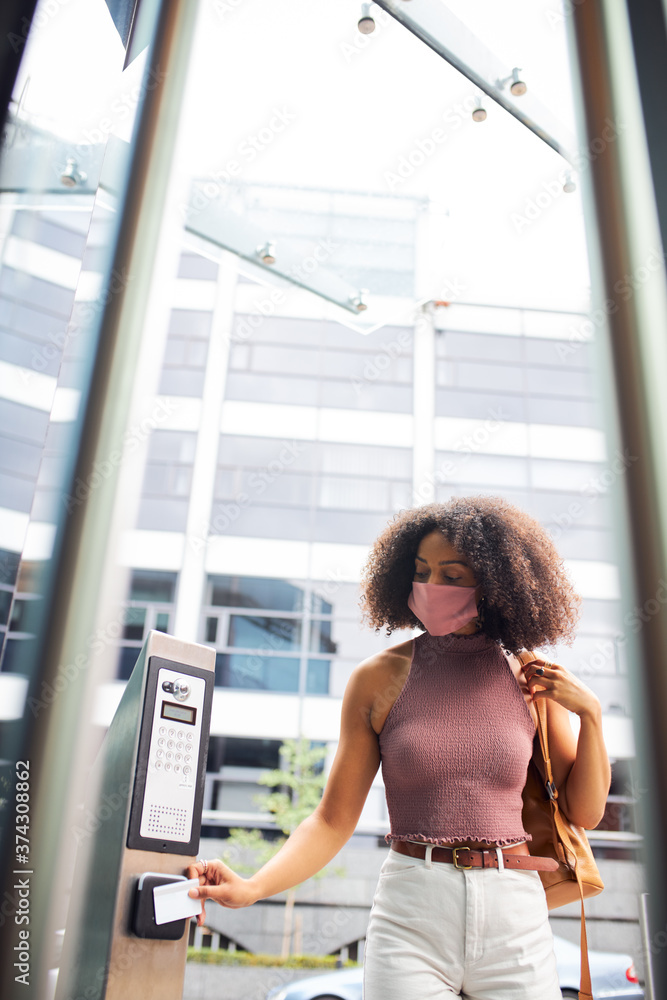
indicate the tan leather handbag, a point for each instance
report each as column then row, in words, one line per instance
column 554, row 836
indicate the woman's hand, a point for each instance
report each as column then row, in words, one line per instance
column 580, row 766
column 221, row 884
column 550, row 680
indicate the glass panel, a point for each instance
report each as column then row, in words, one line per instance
column 19, row 621
column 181, row 382
column 364, row 460
column 172, row 446
column 127, row 658
column 162, row 621
column 251, row 753
column 14, row 652
column 317, row 679
column 264, row 633
column 320, row 637
column 265, row 673
column 192, row 265
column 211, row 629
column 191, row 323
column 5, row 604
column 152, row 585
column 355, row 494
column 162, row 514
column 318, row 605
column 135, row 620
column 255, row 592
column 9, row 563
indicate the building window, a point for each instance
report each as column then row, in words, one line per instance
column 319, row 491
column 167, row 481
column 186, row 352
column 270, row 635
column 9, row 565
column 308, row 362
column 617, row 836
column 150, row 606
column 233, row 769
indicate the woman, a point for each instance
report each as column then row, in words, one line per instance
column 459, row 910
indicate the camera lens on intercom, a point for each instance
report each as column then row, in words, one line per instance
column 181, row 689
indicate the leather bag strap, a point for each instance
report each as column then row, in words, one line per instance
column 560, row 829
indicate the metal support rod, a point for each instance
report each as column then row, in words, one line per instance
column 82, row 553
column 630, row 316
column 644, row 927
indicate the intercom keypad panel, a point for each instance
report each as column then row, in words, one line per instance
column 173, row 757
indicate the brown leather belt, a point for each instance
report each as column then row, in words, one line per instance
column 467, row 857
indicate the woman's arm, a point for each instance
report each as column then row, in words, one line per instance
column 319, row 837
column 580, row 766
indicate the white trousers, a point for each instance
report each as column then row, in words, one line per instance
column 438, row 932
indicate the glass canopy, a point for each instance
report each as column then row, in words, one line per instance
column 289, row 155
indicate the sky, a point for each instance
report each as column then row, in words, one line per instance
column 289, row 92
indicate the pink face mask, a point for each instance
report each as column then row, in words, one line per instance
column 442, row 609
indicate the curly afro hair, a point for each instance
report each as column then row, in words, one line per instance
column 529, row 600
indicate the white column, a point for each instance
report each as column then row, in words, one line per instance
column 193, row 571
column 429, row 225
column 423, row 407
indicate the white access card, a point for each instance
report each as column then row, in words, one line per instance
column 171, row 901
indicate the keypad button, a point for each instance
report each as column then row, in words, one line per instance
column 158, row 765
column 161, row 742
column 178, row 756
column 179, row 745
column 172, row 732
column 160, row 753
column 187, row 770
column 188, row 758
column 177, row 767
column 167, row 766
column 171, row 744
column 180, row 734
column 170, row 755
column 163, row 730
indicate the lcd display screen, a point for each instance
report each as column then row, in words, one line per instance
column 179, row 713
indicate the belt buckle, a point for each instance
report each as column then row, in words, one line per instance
column 455, row 851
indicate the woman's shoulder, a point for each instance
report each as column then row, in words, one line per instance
column 393, row 659
column 379, row 679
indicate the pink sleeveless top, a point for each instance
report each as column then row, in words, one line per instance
column 456, row 745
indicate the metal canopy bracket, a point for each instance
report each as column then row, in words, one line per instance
column 442, row 31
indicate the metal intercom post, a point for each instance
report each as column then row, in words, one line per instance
column 149, row 788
